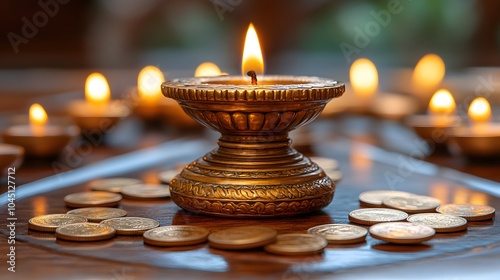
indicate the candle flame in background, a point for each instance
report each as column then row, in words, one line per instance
column 442, row 103
column 207, row 69
column 97, row 89
column 38, row 119
column 480, row 110
column 364, row 77
column 429, row 72
column 252, row 54
column 149, row 83
column 39, row 206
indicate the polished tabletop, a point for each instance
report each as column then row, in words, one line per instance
column 373, row 154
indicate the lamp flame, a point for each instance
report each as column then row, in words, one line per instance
column 442, row 103
column 252, row 54
column 38, row 119
column 364, row 77
column 207, row 69
column 429, row 72
column 97, row 89
column 149, row 83
column 480, row 110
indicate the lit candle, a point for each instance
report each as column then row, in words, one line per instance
column 208, row 69
column 442, row 108
column 441, row 116
column 38, row 119
column 364, row 82
column 428, row 74
column 480, row 114
column 97, row 111
column 479, row 139
column 149, row 85
column 40, row 138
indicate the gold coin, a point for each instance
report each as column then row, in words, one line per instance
column 49, row 223
column 175, row 235
column 297, row 244
column 412, row 203
column 131, row 225
column 115, row 185
column 402, row 232
column 325, row 163
column 440, row 222
column 85, row 232
column 98, row 214
column 470, row 212
column 168, row 175
column 371, row 216
column 245, row 237
column 340, row 234
column 375, row 198
column 92, row 199
column 147, row 191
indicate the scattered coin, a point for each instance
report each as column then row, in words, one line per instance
column 440, row 222
column 49, row 223
column 131, row 225
column 92, row 199
column 371, row 216
column 375, row 198
column 325, row 163
column 166, row 176
column 147, row 191
column 402, row 232
column 339, row 233
column 85, row 232
column 98, row 214
column 412, row 203
column 297, row 244
column 115, row 185
column 470, row 212
column 175, row 235
column 245, row 237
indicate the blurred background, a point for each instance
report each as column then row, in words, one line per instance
column 52, row 45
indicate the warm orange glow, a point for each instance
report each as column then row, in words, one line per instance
column 429, row 72
column 38, row 119
column 39, row 206
column 442, row 103
column 461, row 196
column 97, row 89
column 440, row 191
column 364, row 77
column 252, row 54
column 149, row 83
column 207, row 69
column 480, row 110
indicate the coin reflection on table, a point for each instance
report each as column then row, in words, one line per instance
column 297, row 244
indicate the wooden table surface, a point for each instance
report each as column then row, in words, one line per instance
column 374, row 157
